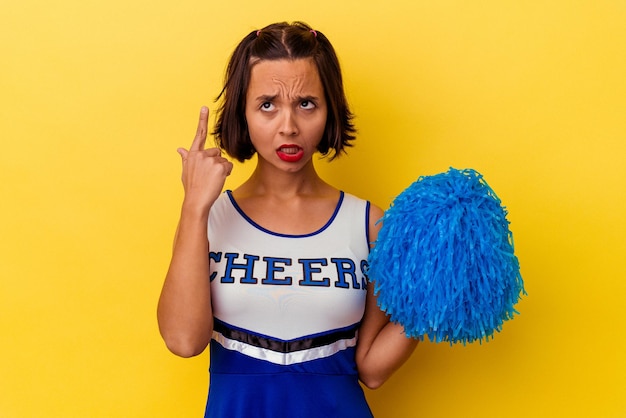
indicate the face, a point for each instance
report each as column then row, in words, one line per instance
column 286, row 112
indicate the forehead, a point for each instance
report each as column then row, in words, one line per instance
column 276, row 76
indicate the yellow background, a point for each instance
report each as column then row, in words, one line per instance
column 95, row 97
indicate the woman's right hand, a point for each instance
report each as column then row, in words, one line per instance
column 184, row 312
column 204, row 170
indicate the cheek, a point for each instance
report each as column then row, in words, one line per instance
column 320, row 129
column 321, row 126
column 253, row 126
column 259, row 131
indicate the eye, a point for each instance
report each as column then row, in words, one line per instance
column 267, row 106
column 307, row 104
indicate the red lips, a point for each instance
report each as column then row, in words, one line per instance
column 290, row 153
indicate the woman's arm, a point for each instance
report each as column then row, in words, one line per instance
column 184, row 311
column 383, row 347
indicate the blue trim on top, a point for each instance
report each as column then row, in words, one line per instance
column 267, row 231
column 321, row 334
column 279, row 345
column 367, row 226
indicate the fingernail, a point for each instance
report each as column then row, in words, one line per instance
column 204, row 109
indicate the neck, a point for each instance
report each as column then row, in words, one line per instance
column 268, row 180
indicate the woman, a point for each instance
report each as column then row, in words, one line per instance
column 279, row 293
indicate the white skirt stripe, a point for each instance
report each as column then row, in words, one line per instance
column 284, row 359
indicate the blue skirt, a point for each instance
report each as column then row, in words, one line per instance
column 244, row 387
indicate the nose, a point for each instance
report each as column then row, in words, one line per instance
column 289, row 126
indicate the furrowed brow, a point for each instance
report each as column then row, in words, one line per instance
column 308, row 98
column 266, row 98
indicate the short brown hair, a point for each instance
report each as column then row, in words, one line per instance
column 274, row 42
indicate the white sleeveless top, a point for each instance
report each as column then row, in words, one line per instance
column 288, row 286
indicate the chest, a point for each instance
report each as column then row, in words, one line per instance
column 287, row 292
column 288, row 285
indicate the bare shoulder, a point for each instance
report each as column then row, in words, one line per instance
column 375, row 215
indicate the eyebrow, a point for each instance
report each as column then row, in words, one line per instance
column 270, row 98
column 266, row 98
column 308, row 98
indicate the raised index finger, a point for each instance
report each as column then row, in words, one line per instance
column 201, row 132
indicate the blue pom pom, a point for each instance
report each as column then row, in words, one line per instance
column 443, row 264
